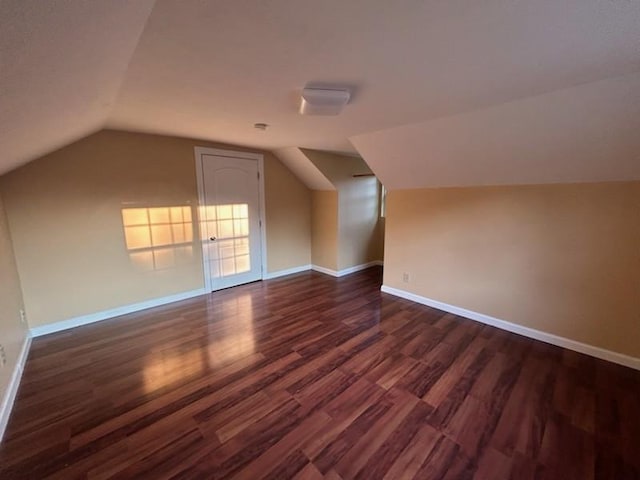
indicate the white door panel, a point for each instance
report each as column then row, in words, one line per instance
column 230, row 220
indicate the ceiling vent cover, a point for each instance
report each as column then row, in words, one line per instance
column 323, row 101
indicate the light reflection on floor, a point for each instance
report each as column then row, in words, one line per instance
column 230, row 338
column 164, row 369
column 234, row 336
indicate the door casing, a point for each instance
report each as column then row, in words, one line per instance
column 199, row 152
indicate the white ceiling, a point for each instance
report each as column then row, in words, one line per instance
column 61, row 65
column 303, row 168
column 210, row 69
column 588, row 133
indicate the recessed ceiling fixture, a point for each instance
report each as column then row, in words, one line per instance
column 260, row 126
column 323, row 101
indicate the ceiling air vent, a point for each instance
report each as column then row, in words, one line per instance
column 322, row 101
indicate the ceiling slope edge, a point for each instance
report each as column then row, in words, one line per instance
column 303, row 168
column 581, row 134
column 63, row 67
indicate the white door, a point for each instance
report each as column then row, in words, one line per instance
column 230, row 221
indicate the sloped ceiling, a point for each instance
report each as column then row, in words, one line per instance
column 338, row 169
column 211, row 69
column 587, row 133
column 61, row 65
column 300, row 164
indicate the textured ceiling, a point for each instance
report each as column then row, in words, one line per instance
column 303, row 168
column 61, row 65
column 211, row 69
column 587, row 133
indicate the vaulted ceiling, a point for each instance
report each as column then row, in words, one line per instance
column 62, row 64
column 444, row 93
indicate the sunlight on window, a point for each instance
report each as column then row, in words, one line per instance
column 229, row 226
column 158, row 237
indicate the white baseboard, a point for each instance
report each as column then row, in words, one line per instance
column 114, row 312
column 12, row 389
column 326, row 271
column 346, row 271
column 619, row 358
column 288, row 271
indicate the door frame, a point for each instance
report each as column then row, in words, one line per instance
column 198, row 152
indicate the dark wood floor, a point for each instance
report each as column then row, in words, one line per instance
column 312, row 377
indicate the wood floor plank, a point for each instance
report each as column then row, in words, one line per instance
column 272, row 459
column 309, row 472
column 493, row 466
column 527, row 408
column 440, row 460
column 309, row 377
column 333, row 452
column 384, row 457
column 365, row 446
column 410, row 460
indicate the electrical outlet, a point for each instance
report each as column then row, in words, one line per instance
column 405, row 277
column 23, row 316
column 3, row 357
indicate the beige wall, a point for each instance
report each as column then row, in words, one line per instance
column 563, row 259
column 12, row 331
column 288, row 209
column 65, row 214
column 324, row 228
column 360, row 231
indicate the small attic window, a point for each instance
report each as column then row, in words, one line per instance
column 383, row 201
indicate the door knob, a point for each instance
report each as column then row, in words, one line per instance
column 213, row 239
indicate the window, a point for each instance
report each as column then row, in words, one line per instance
column 383, row 201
